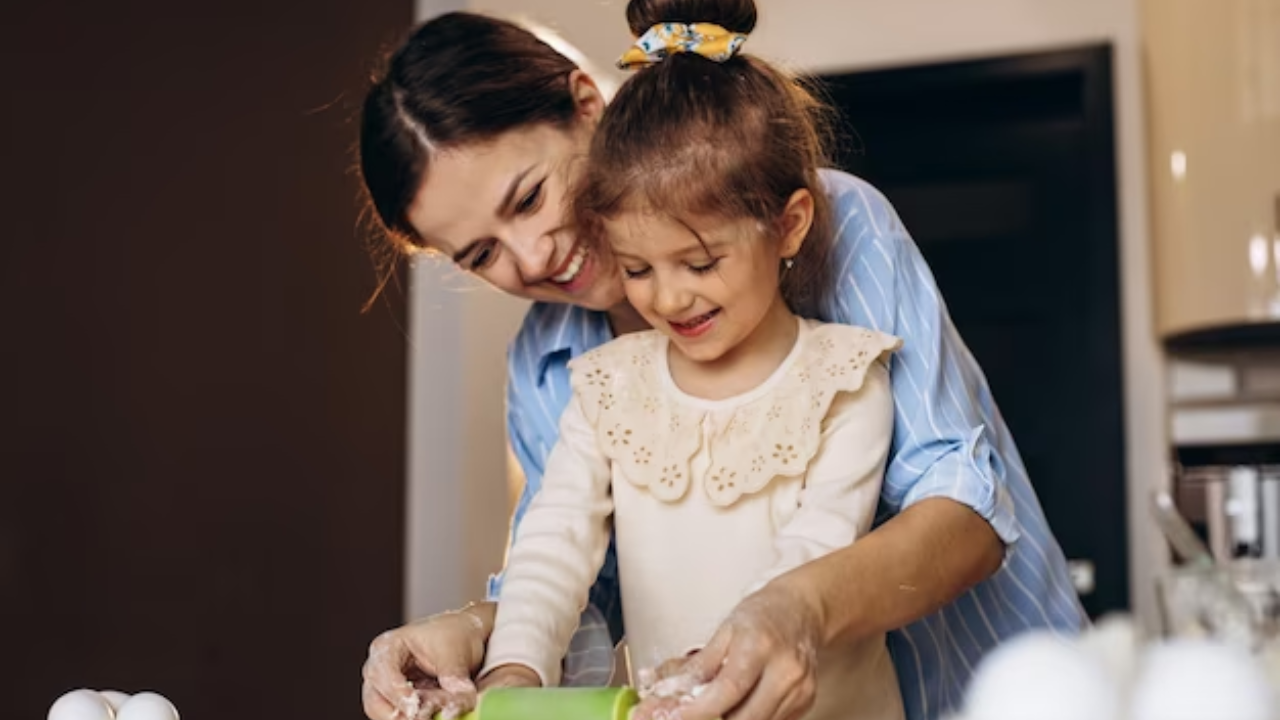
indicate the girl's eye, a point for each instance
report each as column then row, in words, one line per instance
column 482, row 257
column 531, row 201
column 635, row 274
column 705, row 268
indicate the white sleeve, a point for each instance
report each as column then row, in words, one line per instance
column 842, row 485
column 557, row 552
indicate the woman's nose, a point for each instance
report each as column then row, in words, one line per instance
column 535, row 255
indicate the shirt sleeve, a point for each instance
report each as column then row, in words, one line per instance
column 590, row 661
column 558, row 549
column 941, row 447
column 532, row 417
column 842, row 483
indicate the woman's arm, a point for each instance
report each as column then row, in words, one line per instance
column 760, row 665
column 916, row 563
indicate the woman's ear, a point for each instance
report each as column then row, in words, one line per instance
column 796, row 219
column 587, row 96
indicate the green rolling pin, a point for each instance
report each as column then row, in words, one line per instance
column 609, row 703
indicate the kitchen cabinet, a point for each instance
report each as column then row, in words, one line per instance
column 1213, row 113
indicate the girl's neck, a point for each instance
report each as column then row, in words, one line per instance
column 744, row 367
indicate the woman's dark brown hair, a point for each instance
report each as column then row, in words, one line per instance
column 693, row 136
column 460, row 78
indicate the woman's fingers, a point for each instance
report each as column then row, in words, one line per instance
column 377, row 706
column 785, row 691
column 384, row 672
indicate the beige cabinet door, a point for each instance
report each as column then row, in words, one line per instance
column 1213, row 89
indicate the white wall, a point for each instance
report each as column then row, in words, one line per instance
column 597, row 28
column 457, row 501
column 458, row 474
column 828, row 35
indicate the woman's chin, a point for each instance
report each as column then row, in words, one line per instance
column 600, row 297
column 604, row 293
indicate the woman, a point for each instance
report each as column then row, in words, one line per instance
column 469, row 145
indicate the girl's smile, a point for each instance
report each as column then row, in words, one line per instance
column 697, row 326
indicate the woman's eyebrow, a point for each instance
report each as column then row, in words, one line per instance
column 507, row 197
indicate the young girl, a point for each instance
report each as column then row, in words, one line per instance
column 734, row 441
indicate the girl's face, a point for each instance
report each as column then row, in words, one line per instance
column 708, row 283
column 500, row 211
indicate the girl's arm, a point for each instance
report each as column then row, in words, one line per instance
column 842, row 484
column 535, row 391
column 558, row 550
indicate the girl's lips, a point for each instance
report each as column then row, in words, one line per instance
column 696, row 326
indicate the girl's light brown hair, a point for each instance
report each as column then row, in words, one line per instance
column 690, row 136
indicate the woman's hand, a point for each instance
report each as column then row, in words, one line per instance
column 425, row 667
column 760, row 665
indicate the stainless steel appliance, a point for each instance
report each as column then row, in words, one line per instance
column 1226, row 437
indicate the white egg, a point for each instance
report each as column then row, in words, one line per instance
column 1116, row 644
column 1186, row 679
column 114, row 698
column 147, row 706
column 80, row 705
column 1043, row 676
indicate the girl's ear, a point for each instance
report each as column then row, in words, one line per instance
column 796, row 219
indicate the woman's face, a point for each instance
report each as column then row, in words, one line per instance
column 500, row 210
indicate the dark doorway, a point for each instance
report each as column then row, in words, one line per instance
column 1004, row 172
column 201, row 435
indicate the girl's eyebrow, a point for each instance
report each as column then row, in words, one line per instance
column 702, row 247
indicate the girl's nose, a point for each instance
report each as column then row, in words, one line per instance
column 670, row 299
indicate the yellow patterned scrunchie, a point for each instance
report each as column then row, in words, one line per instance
column 710, row 41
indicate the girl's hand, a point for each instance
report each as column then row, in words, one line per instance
column 760, row 665
column 510, row 676
column 426, row 666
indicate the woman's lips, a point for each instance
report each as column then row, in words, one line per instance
column 571, row 267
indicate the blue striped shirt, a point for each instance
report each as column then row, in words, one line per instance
column 949, row 441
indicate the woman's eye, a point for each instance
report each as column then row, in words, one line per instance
column 530, row 201
column 705, row 268
column 635, row 274
column 483, row 257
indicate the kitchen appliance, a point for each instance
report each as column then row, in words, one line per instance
column 1226, row 446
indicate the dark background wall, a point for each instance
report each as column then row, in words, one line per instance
column 201, row 436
